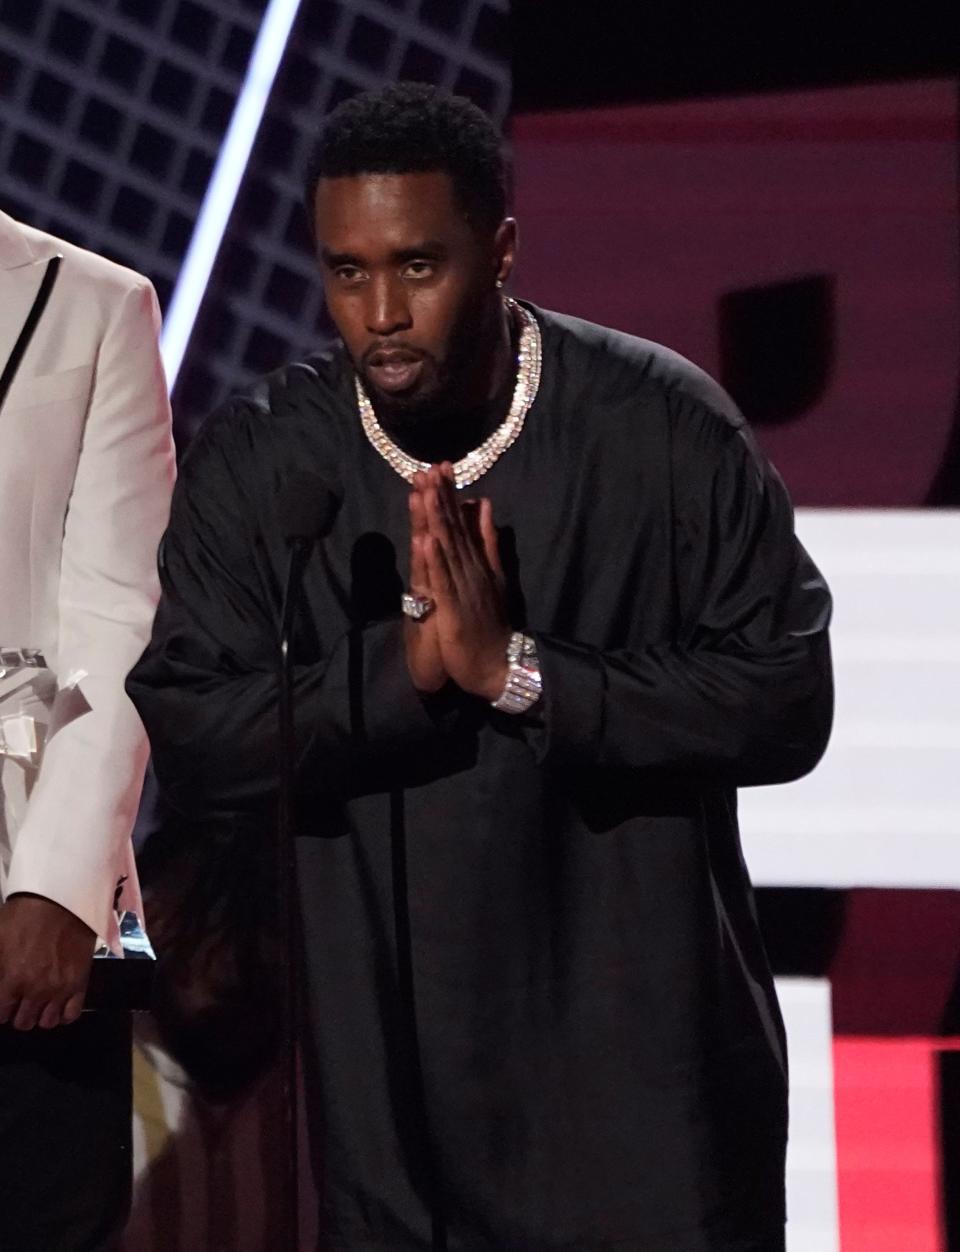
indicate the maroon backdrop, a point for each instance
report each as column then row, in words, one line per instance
column 802, row 247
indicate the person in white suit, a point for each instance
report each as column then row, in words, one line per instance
column 86, row 471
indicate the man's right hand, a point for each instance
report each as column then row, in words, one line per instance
column 423, row 646
column 45, row 955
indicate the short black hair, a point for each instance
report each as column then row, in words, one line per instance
column 413, row 128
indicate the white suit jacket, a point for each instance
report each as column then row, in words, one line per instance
column 86, row 472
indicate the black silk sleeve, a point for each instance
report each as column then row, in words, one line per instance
column 743, row 693
column 206, row 686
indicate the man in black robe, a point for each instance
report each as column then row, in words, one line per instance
column 540, row 1012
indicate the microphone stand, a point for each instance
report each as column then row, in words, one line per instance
column 286, row 889
column 307, row 506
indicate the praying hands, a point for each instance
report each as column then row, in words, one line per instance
column 454, row 562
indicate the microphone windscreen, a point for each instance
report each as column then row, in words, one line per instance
column 306, row 506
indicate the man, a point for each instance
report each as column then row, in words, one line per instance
column 86, row 468
column 540, row 1012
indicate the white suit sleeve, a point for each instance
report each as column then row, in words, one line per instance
column 73, row 842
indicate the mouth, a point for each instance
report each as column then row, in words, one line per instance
column 394, row 370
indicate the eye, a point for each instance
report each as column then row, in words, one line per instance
column 349, row 275
column 419, row 269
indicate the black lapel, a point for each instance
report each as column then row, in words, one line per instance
column 29, row 326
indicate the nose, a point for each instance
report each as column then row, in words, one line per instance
column 388, row 308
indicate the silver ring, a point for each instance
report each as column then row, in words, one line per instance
column 416, row 607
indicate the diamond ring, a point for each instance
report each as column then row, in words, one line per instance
column 416, row 607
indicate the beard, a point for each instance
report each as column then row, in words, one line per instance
column 447, row 386
column 422, row 405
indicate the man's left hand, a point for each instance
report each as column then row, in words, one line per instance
column 467, row 586
column 45, row 954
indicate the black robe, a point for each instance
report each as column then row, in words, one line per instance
column 541, row 1014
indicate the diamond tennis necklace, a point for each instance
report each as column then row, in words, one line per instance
column 476, row 463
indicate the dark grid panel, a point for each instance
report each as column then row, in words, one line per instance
column 263, row 305
column 111, row 116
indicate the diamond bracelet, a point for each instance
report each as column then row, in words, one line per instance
column 524, row 685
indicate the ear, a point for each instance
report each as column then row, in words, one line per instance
column 505, row 243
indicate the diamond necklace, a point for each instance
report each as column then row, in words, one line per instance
column 476, row 463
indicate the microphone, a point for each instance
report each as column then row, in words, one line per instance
column 306, row 509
